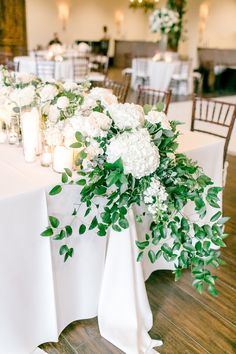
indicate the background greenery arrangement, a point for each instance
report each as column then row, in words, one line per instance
column 175, row 5
column 172, row 235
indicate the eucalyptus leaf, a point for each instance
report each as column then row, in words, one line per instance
column 55, row 190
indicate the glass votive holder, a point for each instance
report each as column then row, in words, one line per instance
column 29, row 154
column 3, row 133
column 62, row 158
column 13, row 132
column 46, row 156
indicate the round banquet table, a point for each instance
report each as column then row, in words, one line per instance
column 158, row 72
column 40, row 294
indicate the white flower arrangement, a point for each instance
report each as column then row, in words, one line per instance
column 164, row 20
column 127, row 156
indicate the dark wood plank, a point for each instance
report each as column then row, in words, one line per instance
column 61, row 347
column 173, row 337
column 80, row 332
column 224, row 305
column 189, row 315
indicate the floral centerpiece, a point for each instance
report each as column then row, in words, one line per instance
column 164, row 20
column 128, row 158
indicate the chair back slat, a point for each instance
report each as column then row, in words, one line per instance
column 214, row 117
column 119, row 89
column 45, row 69
column 147, row 95
column 80, row 68
column 226, row 115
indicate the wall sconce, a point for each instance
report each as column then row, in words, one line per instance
column 119, row 18
column 63, row 7
column 203, row 15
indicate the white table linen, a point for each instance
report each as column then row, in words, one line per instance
column 40, row 294
column 158, row 72
column 63, row 69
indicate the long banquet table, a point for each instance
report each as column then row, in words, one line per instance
column 40, row 294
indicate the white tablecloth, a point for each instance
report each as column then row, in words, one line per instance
column 63, row 70
column 40, row 294
column 159, row 73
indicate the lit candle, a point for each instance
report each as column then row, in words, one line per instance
column 3, row 137
column 46, row 157
column 30, row 154
column 62, row 158
column 13, row 137
column 30, row 131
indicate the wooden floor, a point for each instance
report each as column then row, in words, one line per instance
column 207, row 325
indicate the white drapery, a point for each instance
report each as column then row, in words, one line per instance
column 40, row 294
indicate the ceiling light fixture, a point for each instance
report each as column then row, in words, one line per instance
column 146, row 5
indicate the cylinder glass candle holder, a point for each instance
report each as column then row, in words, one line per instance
column 62, row 158
column 30, row 131
column 13, row 131
column 3, row 133
column 46, row 156
column 29, row 154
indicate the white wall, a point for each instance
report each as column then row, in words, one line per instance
column 88, row 16
column 86, row 20
column 220, row 26
column 220, row 29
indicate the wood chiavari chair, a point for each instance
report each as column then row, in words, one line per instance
column 80, row 68
column 214, row 117
column 147, row 95
column 12, row 65
column 45, row 69
column 119, row 89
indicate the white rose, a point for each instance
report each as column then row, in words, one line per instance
column 63, row 102
column 103, row 121
column 104, row 95
column 53, row 114
column 93, row 150
column 24, row 78
column 155, row 117
column 48, row 92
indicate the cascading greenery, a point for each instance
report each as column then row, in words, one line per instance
column 188, row 242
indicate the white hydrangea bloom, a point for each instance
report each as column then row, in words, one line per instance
column 139, row 156
column 155, row 197
column 127, row 115
column 23, row 96
column 53, row 135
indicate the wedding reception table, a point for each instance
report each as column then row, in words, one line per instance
column 40, row 294
column 63, row 69
column 158, row 72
